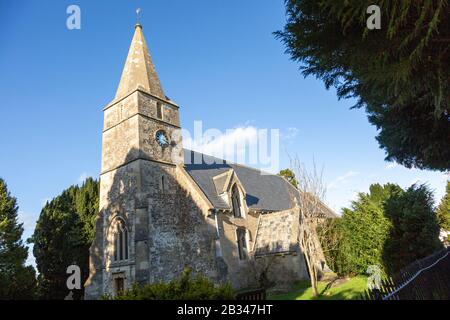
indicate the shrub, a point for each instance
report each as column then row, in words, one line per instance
column 185, row 287
column 388, row 227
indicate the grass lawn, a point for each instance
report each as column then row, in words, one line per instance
column 351, row 289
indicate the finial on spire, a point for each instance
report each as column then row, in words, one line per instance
column 138, row 17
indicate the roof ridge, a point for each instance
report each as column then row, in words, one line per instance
column 234, row 163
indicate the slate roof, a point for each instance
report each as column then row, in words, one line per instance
column 265, row 192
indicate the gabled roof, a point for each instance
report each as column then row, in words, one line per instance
column 265, row 192
column 222, row 180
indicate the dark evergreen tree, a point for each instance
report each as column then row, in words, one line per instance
column 415, row 230
column 63, row 235
column 399, row 73
column 365, row 229
column 388, row 227
column 17, row 281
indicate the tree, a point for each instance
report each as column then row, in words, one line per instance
column 388, row 227
column 63, row 235
column 312, row 193
column 17, row 281
column 331, row 237
column 443, row 210
column 87, row 204
column 365, row 229
column 289, row 175
column 415, row 230
column 399, row 73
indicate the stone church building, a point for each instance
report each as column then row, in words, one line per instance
column 163, row 208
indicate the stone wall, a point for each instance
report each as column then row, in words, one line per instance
column 119, row 192
column 277, row 232
column 168, row 226
column 167, row 220
column 171, row 224
column 147, row 107
column 237, row 269
column 121, row 135
column 282, row 270
column 281, row 266
column 180, row 233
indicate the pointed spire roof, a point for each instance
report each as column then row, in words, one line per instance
column 139, row 71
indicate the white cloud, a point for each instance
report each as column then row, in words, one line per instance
column 341, row 180
column 231, row 145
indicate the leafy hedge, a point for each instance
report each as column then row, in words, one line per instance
column 388, row 227
column 185, row 287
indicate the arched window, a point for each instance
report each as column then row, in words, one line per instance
column 236, row 201
column 120, row 241
column 241, row 235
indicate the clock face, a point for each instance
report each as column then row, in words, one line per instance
column 161, row 138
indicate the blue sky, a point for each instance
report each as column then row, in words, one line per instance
column 217, row 59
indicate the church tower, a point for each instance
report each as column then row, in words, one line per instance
column 141, row 122
column 141, row 147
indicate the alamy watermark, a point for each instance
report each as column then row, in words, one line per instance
column 374, row 279
column 73, row 281
column 74, row 19
column 244, row 145
column 374, row 20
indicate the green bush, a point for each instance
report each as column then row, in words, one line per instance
column 388, row 227
column 359, row 235
column 185, row 287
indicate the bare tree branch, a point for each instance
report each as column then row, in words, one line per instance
column 311, row 209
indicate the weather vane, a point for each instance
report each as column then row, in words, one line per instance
column 138, row 15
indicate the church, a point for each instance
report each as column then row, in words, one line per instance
column 164, row 208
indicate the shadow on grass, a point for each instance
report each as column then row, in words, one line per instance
column 349, row 290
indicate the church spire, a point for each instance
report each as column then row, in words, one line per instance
column 139, row 71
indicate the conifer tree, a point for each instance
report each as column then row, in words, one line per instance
column 415, row 231
column 388, row 227
column 17, row 281
column 399, row 73
column 63, row 235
